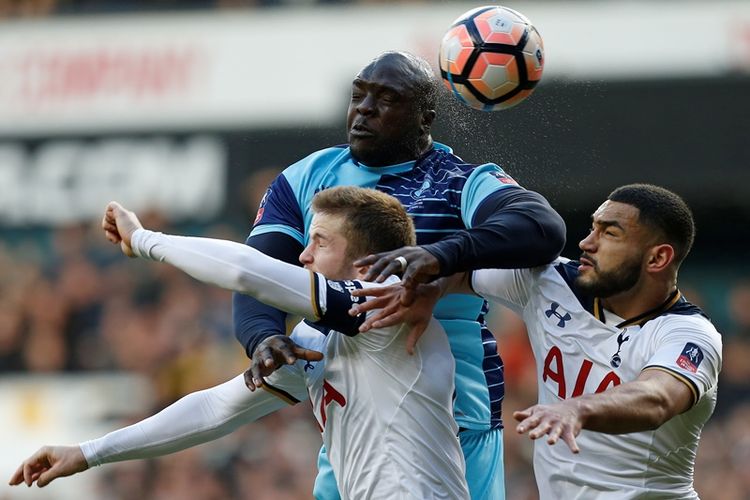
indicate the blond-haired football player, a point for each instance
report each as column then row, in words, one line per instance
column 386, row 416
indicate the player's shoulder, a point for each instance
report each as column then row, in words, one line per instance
column 390, row 280
column 443, row 159
column 560, row 269
column 566, row 268
column 309, row 335
column 685, row 318
column 559, row 278
column 317, row 162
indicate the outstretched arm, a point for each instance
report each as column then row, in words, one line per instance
column 226, row 264
column 277, row 284
column 644, row 404
column 197, row 418
column 512, row 229
column 47, row 464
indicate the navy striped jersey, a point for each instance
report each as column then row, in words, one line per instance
column 441, row 193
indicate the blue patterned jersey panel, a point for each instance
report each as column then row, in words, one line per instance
column 441, row 193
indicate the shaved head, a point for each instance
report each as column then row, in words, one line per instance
column 416, row 70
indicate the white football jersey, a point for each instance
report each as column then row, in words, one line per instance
column 582, row 349
column 386, row 416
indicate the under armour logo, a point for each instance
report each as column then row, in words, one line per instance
column 552, row 311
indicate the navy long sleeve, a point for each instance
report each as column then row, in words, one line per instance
column 512, row 229
column 253, row 320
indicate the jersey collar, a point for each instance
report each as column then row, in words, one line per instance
column 406, row 166
column 641, row 319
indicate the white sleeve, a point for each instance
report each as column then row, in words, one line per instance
column 197, row 418
column 690, row 349
column 237, row 267
column 241, row 268
column 509, row 287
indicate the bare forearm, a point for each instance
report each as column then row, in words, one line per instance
column 636, row 406
column 641, row 405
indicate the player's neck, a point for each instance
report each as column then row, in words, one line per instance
column 425, row 145
column 643, row 297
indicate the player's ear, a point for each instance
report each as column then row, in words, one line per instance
column 428, row 116
column 659, row 257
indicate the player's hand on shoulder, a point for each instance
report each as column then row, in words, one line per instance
column 119, row 224
column 396, row 304
column 414, row 264
column 49, row 463
column 273, row 353
column 556, row 421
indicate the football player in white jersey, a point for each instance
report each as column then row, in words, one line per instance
column 386, row 416
column 627, row 367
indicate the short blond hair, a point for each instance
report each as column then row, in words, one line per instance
column 373, row 221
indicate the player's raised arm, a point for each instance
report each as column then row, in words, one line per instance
column 226, row 264
column 511, row 228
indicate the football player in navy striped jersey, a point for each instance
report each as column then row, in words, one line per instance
column 466, row 214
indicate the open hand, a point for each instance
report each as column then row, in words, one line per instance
column 49, row 463
column 421, row 266
column 396, row 304
column 557, row 421
column 273, row 353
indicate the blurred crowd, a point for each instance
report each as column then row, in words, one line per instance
column 71, row 302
